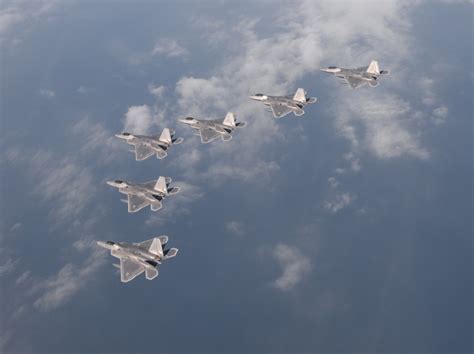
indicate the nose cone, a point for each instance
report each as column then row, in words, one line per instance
column 107, row 244
column 258, row 97
column 187, row 120
column 331, row 70
column 116, row 184
column 125, row 136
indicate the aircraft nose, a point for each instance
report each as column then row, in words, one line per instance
column 115, row 184
column 124, row 136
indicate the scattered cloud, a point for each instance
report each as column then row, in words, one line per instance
column 60, row 288
column 339, row 202
column 47, row 93
column 294, row 266
column 384, row 125
column 235, row 227
column 15, row 227
column 333, row 182
column 440, row 115
column 169, row 48
column 8, row 266
column 18, row 16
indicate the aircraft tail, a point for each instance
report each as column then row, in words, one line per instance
column 373, row 67
column 161, row 185
column 163, row 239
column 172, row 252
column 151, row 273
column 300, row 95
column 156, row 247
column 229, row 119
column 165, row 136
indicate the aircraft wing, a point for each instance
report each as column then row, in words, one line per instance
column 354, row 82
column 129, row 270
column 208, row 135
column 143, row 152
column 279, row 110
column 136, row 203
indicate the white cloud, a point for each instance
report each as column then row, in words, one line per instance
column 60, row 288
column 333, row 182
column 339, row 202
column 47, row 93
column 17, row 226
column 440, row 114
column 18, row 16
column 156, row 91
column 381, row 124
column 235, row 227
column 138, row 119
column 8, row 266
column 294, row 266
column 169, row 48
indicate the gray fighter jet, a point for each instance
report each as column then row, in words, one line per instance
column 136, row 258
column 358, row 77
column 141, row 195
column 145, row 146
column 280, row 106
column 210, row 130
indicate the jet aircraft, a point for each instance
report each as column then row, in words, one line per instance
column 280, row 106
column 140, row 195
column 210, row 130
column 145, row 146
column 136, row 258
column 360, row 76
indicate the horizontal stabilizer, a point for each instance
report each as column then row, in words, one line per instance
column 298, row 112
column 156, row 206
column 311, row 100
column 177, row 141
column 384, row 72
column 173, row 190
column 151, row 273
column 161, row 154
column 226, row 137
column 172, row 252
column 241, row 124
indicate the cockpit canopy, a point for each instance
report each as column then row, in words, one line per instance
column 189, row 118
column 333, row 67
column 125, row 134
column 119, row 181
column 111, row 243
column 259, row 94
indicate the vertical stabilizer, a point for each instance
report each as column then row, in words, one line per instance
column 160, row 185
column 165, row 136
column 373, row 67
column 156, row 247
column 229, row 119
column 300, row 95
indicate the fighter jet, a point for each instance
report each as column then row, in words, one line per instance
column 141, row 195
column 145, row 146
column 136, row 258
column 280, row 106
column 358, row 77
column 210, row 130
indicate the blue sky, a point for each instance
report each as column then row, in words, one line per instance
column 347, row 230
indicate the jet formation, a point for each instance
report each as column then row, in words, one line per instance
column 136, row 258
column 140, row 195
column 212, row 129
column 280, row 106
column 358, row 77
